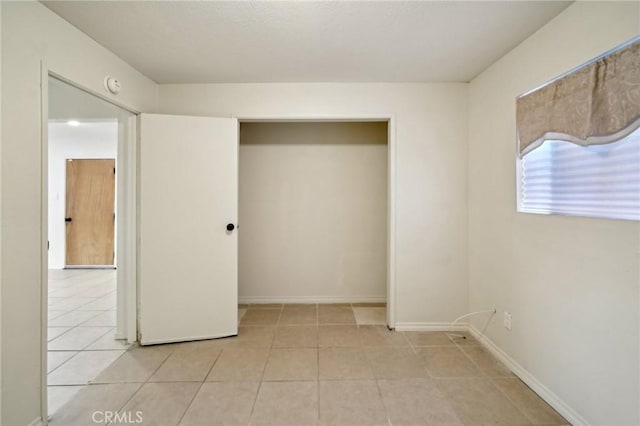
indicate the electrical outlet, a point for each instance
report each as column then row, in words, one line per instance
column 507, row 320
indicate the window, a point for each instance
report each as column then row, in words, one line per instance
column 596, row 180
column 579, row 140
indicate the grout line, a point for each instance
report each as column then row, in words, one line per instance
column 204, row 379
column 318, row 377
column 59, row 335
column 49, row 372
column 506, row 395
column 481, row 370
column 386, row 410
column 141, row 383
column 255, row 399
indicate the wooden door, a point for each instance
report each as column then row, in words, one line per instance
column 188, row 262
column 90, row 212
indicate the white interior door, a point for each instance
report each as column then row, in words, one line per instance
column 188, row 266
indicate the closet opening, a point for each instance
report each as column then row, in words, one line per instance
column 315, row 215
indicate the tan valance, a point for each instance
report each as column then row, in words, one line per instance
column 595, row 104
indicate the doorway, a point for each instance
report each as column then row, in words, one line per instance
column 88, row 144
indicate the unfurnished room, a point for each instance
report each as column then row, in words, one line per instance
column 319, row 213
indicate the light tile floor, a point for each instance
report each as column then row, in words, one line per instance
column 311, row 365
column 82, row 320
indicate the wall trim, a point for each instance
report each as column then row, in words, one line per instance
column 530, row 380
column 312, row 299
column 430, row 326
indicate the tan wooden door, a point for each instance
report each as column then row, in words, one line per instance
column 90, row 212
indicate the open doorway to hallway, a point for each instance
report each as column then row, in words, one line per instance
column 85, row 136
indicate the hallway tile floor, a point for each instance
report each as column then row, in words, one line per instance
column 311, row 365
column 82, row 321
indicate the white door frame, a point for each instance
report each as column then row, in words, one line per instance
column 391, row 184
column 126, row 230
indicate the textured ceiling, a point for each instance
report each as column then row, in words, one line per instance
column 325, row 41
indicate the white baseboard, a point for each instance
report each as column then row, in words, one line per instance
column 36, row 422
column 430, row 326
column 544, row 392
column 312, row 299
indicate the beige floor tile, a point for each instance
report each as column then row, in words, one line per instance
column 73, row 318
column 96, row 291
column 53, row 332
column 369, row 305
column 292, row 364
column 260, row 316
column 333, row 314
column 463, row 338
column 351, row 403
column 380, row 335
column 161, row 403
column 77, row 338
column 53, row 314
column 104, row 303
column 203, row 346
column 338, row 335
column 135, row 365
column 395, row 363
column 57, row 396
column 106, row 318
column 370, row 316
column 344, row 364
column 222, row 403
column 186, row 366
column 266, row 306
column 529, row 403
column 83, row 367
column 286, row 403
column 251, row 337
column 487, row 363
column 479, row 402
column 55, row 293
column 428, row 338
column 299, row 305
column 296, row 336
column 56, row 358
column 61, row 303
column 447, row 361
column 296, row 316
column 239, row 364
column 108, row 342
column 79, row 410
column 241, row 312
column 416, row 402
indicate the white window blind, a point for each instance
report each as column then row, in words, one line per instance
column 561, row 177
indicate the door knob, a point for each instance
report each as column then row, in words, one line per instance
column 230, row 227
column 67, row 219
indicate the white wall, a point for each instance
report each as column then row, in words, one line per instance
column 431, row 171
column 0, row 215
column 88, row 140
column 571, row 283
column 313, row 212
column 30, row 34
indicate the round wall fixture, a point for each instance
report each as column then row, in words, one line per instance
column 112, row 85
